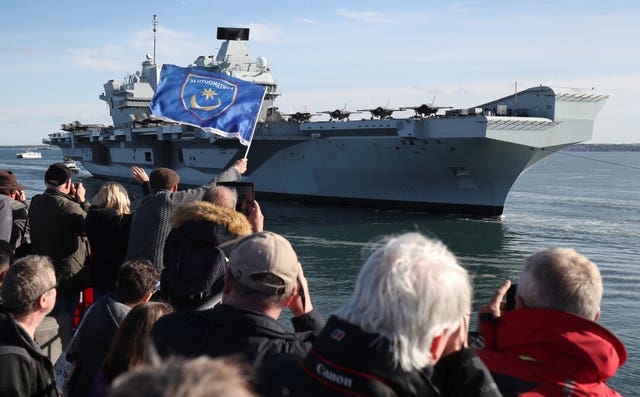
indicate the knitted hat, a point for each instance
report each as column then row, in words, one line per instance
column 163, row 178
column 265, row 262
column 57, row 174
column 8, row 181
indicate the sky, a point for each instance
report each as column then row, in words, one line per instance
column 56, row 56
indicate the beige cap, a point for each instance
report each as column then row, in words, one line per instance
column 265, row 262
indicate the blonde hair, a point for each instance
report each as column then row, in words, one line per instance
column 112, row 195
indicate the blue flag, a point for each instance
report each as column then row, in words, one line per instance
column 216, row 103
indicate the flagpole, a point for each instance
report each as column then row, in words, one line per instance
column 256, row 123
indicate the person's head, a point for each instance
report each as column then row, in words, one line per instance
column 164, row 179
column 136, row 281
column 222, row 195
column 30, row 286
column 410, row 290
column 112, row 195
column 263, row 270
column 129, row 345
column 58, row 177
column 560, row 279
column 9, row 185
column 5, row 258
column 197, row 377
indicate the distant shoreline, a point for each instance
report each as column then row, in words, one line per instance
column 579, row 147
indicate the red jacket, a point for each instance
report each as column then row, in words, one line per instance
column 541, row 352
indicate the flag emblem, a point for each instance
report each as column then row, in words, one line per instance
column 207, row 97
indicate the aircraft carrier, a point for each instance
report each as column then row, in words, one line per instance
column 457, row 161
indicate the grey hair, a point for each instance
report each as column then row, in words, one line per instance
column 222, row 195
column 24, row 282
column 408, row 291
column 561, row 279
column 198, row 377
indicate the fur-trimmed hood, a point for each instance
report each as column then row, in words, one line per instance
column 201, row 211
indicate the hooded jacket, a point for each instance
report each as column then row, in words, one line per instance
column 198, row 228
column 24, row 368
column 533, row 352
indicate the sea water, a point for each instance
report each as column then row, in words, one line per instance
column 587, row 201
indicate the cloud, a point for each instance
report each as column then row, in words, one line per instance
column 365, row 16
column 305, row 20
column 106, row 59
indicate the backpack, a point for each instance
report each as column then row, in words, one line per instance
column 193, row 271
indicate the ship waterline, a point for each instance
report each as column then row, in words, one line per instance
column 464, row 161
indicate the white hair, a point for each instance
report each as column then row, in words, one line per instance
column 561, row 279
column 408, row 291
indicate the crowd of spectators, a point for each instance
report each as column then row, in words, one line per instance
column 190, row 293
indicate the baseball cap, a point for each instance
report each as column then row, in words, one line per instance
column 265, row 262
column 57, row 174
column 8, row 181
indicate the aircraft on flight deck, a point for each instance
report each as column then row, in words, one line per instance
column 381, row 112
column 426, row 109
column 300, row 117
column 339, row 114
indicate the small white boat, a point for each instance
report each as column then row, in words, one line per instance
column 29, row 155
column 71, row 164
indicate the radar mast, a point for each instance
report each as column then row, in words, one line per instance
column 155, row 29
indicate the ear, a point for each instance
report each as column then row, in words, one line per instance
column 175, row 188
column 46, row 300
column 597, row 316
column 147, row 297
column 438, row 344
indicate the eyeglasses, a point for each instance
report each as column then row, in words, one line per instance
column 49, row 289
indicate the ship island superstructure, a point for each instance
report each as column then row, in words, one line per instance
column 464, row 161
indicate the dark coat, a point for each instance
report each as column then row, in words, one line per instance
column 57, row 231
column 152, row 218
column 24, row 368
column 92, row 342
column 20, row 230
column 108, row 234
column 346, row 361
column 545, row 352
column 226, row 330
column 198, row 228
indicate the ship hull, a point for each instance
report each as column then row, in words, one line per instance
column 455, row 165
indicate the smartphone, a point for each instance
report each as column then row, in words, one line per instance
column 246, row 195
column 511, row 297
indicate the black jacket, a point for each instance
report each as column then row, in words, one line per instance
column 346, row 361
column 24, row 369
column 108, row 234
column 226, row 330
